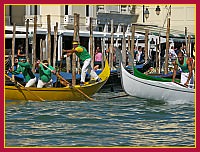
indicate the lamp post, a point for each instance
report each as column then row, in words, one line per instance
column 158, row 10
column 146, row 12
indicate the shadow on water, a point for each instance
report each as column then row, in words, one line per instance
column 153, row 103
column 14, row 102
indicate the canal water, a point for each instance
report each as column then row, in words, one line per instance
column 107, row 122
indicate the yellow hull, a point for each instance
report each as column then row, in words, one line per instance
column 57, row 94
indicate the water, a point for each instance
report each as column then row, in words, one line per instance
column 125, row 121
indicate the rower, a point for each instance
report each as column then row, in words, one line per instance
column 186, row 66
column 45, row 75
column 25, row 67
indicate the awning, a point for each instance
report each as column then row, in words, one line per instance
column 172, row 35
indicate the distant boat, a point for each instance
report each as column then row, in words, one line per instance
column 57, row 94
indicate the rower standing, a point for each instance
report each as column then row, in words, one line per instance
column 83, row 54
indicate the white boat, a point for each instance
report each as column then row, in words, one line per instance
column 154, row 90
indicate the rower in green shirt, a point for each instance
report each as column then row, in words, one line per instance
column 45, row 75
column 24, row 67
column 186, row 67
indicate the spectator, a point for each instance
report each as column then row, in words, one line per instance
column 172, row 54
column 97, row 59
column 140, row 56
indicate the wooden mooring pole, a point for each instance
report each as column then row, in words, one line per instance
column 49, row 38
column 41, row 50
column 91, row 43
column 34, row 43
column 55, row 44
column 111, row 46
column 188, row 46
column 27, row 29
column 167, row 46
column 146, row 45
column 75, row 38
column 78, row 39
column 124, row 48
column 132, row 41
column 13, row 49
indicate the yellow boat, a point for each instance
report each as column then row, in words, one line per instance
column 75, row 93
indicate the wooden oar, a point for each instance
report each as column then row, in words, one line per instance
column 184, row 85
column 24, row 88
column 69, row 84
column 118, row 96
column 59, row 69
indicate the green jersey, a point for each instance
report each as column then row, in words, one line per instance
column 82, row 53
column 184, row 66
column 25, row 68
column 45, row 74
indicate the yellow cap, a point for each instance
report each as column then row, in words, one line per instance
column 75, row 42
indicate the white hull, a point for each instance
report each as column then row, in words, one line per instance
column 156, row 90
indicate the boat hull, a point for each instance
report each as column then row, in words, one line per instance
column 156, row 90
column 57, row 94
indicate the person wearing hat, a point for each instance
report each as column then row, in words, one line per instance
column 24, row 67
column 45, row 75
column 83, row 54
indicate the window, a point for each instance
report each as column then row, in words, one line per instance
column 100, row 29
column 87, row 10
column 66, row 10
column 33, row 10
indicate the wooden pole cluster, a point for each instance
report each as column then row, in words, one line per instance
column 167, row 46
